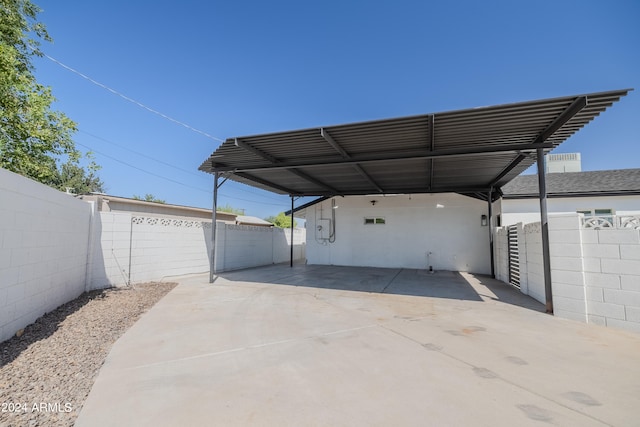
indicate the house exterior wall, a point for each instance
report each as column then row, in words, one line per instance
column 44, row 237
column 528, row 210
column 416, row 233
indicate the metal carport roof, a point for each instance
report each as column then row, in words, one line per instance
column 470, row 151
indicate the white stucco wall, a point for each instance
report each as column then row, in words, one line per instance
column 414, row 226
column 528, row 210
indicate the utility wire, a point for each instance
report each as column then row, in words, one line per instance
column 164, row 116
column 139, row 104
column 141, row 170
column 138, row 153
column 199, row 175
column 173, row 180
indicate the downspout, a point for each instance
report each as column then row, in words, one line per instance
column 544, row 222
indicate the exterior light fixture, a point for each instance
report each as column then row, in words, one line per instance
column 483, row 220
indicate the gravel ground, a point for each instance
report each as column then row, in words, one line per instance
column 46, row 374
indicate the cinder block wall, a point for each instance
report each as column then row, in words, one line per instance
column 132, row 248
column 110, row 250
column 595, row 274
column 244, row 246
column 567, row 270
column 44, row 238
column 165, row 247
column 612, row 277
column 54, row 246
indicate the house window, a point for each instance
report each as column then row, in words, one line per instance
column 596, row 212
column 374, row 220
column 602, row 213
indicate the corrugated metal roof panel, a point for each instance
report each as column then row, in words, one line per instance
column 468, row 150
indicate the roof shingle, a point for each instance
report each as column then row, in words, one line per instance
column 567, row 184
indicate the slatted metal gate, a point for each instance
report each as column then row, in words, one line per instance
column 514, row 257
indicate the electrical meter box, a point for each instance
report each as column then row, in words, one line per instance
column 323, row 229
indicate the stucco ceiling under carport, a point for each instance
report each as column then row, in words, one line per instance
column 472, row 152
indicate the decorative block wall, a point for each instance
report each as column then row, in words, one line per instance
column 54, row 246
column 595, row 273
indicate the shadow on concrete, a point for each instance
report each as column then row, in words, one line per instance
column 495, row 290
column 395, row 281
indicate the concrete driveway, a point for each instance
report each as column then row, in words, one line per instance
column 343, row 346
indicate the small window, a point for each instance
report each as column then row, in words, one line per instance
column 600, row 212
column 376, row 220
column 606, row 214
column 596, row 212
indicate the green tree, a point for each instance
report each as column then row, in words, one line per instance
column 230, row 209
column 149, row 198
column 281, row 220
column 33, row 137
column 71, row 175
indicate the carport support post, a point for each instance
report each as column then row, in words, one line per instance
column 214, row 218
column 544, row 222
column 291, row 248
column 490, row 224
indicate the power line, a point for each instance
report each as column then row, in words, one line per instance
column 140, row 169
column 125, row 97
column 146, row 156
column 171, row 119
column 173, row 180
column 139, row 153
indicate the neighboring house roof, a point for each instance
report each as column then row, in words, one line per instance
column 617, row 182
column 252, row 220
column 110, row 203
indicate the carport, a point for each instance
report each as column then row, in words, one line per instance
column 472, row 152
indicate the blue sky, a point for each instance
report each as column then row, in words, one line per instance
column 249, row 67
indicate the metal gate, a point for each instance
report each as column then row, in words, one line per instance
column 514, row 256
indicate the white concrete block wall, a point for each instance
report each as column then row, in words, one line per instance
column 612, row 280
column 44, row 237
column 111, row 236
column 164, row 247
column 247, row 246
column 595, row 273
column 53, row 247
column 281, row 240
column 567, row 267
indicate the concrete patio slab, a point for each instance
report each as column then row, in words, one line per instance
column 326, row 345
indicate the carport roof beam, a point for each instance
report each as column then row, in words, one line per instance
column 413, row 155
column 346, row 156
column 276, row 161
